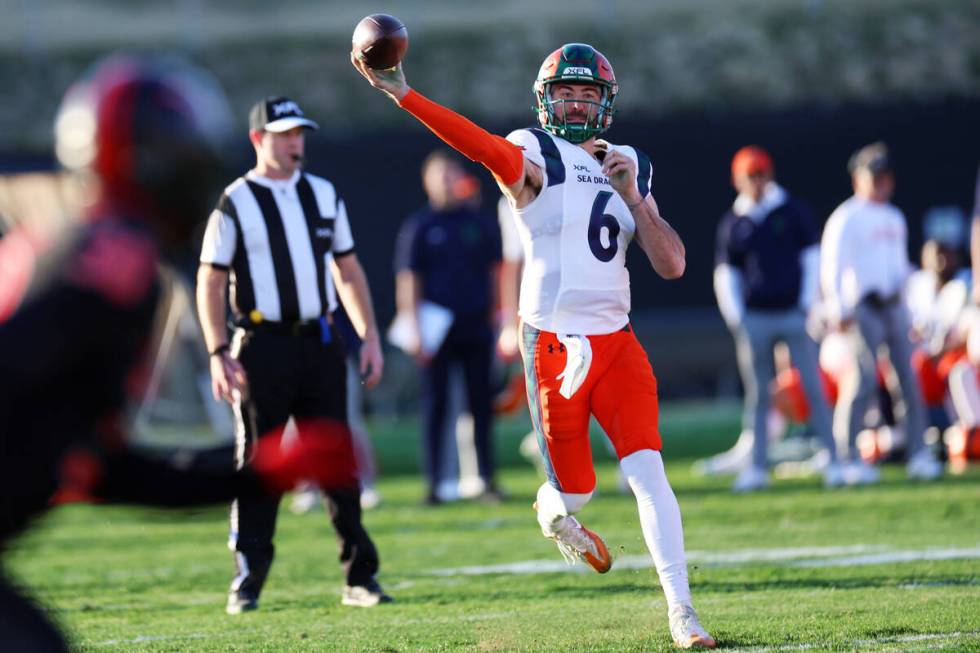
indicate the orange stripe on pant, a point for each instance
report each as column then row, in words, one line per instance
column 620, row 390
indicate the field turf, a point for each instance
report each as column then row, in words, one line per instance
column 894, row 567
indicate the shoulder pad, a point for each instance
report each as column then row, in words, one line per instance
column 115, row 262
column 18, row 260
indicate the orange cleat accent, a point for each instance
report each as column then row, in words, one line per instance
column 601, row 561
column 576, row 541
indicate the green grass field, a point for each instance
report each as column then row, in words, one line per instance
column 890, row 568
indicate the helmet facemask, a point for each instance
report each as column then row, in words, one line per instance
column 553, row 115
column 575, row 63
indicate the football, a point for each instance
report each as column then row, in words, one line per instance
column 380, row 41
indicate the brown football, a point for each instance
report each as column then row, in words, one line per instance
column 380, row 41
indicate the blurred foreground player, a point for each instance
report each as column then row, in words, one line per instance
column 76, row 317
column 579, row 202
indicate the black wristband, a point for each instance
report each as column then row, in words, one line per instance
column 220, row 349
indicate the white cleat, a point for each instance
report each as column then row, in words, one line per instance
column 305, row 500
column 858, row 472
column 365, row 596
column 577, row 542
column 239, row 602
column 751, row 479
column 727, row 462
column 370, row 498
column 834, row 476
column 923, row 466
column 686, row 630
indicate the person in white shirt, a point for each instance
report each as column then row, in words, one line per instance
column 863, row 271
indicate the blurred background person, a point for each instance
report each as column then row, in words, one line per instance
column 279, row 238
column 975, row 241
column 937, row 295
column 766, row 281
column 447, row 263
column 864, row 269
column 78, row 318
column 963, row 437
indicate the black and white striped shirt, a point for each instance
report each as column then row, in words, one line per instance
column 277, row 238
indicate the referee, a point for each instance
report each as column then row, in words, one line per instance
column 281, row 239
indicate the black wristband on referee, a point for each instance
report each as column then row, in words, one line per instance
column 220, row 349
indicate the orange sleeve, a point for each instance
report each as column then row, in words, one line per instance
column 504, row 159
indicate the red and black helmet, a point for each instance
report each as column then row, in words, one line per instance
column 576, row 63
column 151, row 129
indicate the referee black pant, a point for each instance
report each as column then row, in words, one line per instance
column 303, row 377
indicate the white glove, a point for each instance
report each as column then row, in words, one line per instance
column 579, row 359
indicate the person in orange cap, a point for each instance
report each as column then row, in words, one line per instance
column 766, row 280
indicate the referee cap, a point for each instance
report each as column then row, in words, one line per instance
column 278, row 114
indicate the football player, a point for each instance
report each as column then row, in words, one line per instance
column 580, row 201
column 77, row 317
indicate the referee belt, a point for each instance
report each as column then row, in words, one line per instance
column 300, row 328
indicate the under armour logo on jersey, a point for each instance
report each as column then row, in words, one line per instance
column 324, row 232
column 289, row 107
column 551, row 348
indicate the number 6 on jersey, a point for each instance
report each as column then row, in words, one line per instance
column 597, row 221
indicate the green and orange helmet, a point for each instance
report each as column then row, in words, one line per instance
column 576, row 63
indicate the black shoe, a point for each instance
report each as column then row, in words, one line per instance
column 239, row 602
column 432, row 499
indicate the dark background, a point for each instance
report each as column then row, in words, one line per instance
column 935, row 147
column 936, row 150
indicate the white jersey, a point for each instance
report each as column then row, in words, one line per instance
column 863, row 250
column 277, row 239
column 575, row 234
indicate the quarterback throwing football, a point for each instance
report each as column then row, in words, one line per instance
column 579, row 201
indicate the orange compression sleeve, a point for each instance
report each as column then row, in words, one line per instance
column 504, row 159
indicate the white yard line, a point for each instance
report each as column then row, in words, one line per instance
column 968, row 582
column 804, row 557
column 150, row 638
column 860, row 644
column 892, row 556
